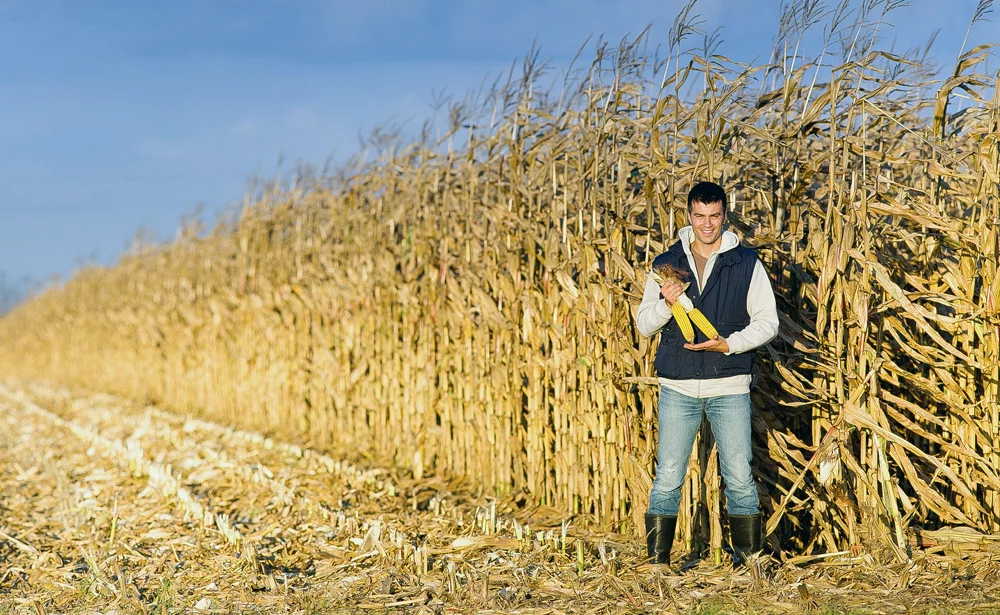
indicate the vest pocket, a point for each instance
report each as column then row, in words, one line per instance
column 730, row 307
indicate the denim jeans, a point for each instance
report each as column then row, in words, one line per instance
column 679, row 420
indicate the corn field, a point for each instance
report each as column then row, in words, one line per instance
column 113, row 506
column 463, row 305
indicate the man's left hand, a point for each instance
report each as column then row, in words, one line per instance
column 719, row 344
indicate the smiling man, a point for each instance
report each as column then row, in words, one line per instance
column 709, row 377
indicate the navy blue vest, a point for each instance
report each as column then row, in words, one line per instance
column 723, row 302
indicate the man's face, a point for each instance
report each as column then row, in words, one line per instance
column 706, row 220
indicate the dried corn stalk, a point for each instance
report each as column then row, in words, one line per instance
column 471, row 313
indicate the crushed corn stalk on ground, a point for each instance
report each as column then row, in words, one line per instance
column 110, row 506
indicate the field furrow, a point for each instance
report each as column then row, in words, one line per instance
column 112, row 504
column 89, row 529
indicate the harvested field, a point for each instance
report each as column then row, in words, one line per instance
column 111, row 506
column 465, row 306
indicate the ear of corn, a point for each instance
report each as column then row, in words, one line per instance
column 683, row 321
column 702, row 323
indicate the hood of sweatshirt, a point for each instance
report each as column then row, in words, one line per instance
column 729, row 239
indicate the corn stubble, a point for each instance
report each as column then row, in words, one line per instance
column 469, row 310
column 307, row 533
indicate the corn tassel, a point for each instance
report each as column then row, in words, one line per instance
column 683, row 321
column 702, row 323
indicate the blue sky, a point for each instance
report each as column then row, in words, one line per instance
column 117, row 115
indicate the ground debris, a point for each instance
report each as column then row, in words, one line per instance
column 272, row 528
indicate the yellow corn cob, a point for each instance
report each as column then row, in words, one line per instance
column 702, row 323
column 683, row 321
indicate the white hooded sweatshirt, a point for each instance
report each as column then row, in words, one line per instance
column 654, row 313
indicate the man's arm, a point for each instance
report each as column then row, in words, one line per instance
column 763, row 313
column 653, row 312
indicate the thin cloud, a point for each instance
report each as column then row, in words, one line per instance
column 302, row 118
column 245, row 128
column 355, row 22
column 162, row 149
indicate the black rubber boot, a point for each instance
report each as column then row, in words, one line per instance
column 745, row 534
column 659, row 537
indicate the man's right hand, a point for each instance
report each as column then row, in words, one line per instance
column 671, row 290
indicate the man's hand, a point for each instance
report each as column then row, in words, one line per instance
column 671, row 290
column 719, row 344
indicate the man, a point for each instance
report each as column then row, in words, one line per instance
column 711, row 376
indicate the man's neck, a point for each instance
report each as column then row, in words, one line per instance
column 705, row 250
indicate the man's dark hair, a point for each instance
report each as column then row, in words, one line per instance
column 707, row 193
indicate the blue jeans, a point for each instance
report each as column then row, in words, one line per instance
column 679, row 421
